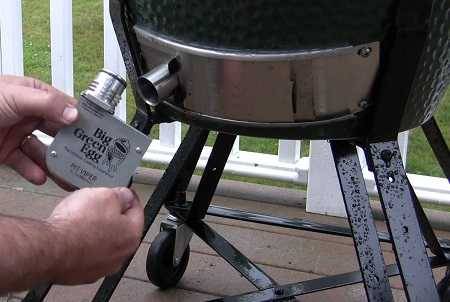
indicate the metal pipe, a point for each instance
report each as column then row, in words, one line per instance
column 159, row 83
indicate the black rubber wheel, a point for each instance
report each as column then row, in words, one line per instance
column 160, row 269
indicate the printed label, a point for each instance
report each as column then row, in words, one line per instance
column 96, row 150
column 82, row 174
column 101, row 149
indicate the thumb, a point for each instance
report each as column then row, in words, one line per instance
column 51, row 105
column 127, row 199
column 134, row 212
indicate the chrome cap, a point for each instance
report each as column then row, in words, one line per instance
column 106, row 90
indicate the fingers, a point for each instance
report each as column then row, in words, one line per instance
column 33, row 83
column 50, row 128
column 15, row 137
column 26, row 167
column 36, row 151
column 25, row 81
column 47, row 103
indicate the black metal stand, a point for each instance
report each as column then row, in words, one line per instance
column 361, row 221
column 175, row 178
column 409, row 230
column 399, row 209
column 438, row 144
column 442, row 153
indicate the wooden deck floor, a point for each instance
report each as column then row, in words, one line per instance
column 287, row 255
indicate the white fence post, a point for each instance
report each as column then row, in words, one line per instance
column 403, row 138
column 170, row 134
column 235, row 150
column 323, row 193
column 62, row 45
column 112, row 57
column 11, row 37
column 288, row 151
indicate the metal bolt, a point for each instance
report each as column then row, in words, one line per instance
column 172, row 218
column 365, row 51
column 53, row 154
column 363, row 104
column 138, row 150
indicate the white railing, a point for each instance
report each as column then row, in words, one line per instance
column 316, row 170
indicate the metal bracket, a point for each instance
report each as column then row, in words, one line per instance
column 183, row 235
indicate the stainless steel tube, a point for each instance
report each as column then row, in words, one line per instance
column 159, row 83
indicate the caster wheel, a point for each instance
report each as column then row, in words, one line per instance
column 443, row 288
column 160, row 268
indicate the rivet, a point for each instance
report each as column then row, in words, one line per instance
column 365, row 51
column 138, row 150
column 53, row 154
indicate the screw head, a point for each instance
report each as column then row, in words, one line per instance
column 365, row 51
column 363, row 104
column 53, row 154
column 138, row 150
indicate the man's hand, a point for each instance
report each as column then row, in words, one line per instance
column 89, row 234
column 100, row 229
column 26, row 105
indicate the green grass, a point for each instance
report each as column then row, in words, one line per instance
column 88, row 54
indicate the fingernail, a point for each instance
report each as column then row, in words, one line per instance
column 70, row 114
column 126, row 196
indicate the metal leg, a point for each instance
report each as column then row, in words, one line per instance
column 211, row 176
column 199, row 207
column 37, row 294
column 361, row 221
column 438, row 144
column 444, row 286
column 425, row 226
column 399, row 209
column 184, row 160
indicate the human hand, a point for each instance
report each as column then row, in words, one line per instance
column 26, row 105
column 99, row 228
